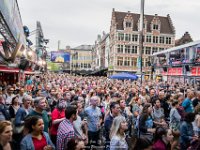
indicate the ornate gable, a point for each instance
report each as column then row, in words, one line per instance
column 155, row 23
column 144, row 26
column 128, row 21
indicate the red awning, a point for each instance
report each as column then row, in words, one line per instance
column 14, row 70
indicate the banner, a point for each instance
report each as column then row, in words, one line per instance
column 195, row 71
column 60, row 56
column 175, row 71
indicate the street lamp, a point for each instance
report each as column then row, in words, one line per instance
column 141, row 40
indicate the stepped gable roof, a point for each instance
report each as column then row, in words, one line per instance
column 186, row 38
column 166, row 27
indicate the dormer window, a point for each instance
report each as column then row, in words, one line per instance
column 155, row 27
column 128, row 24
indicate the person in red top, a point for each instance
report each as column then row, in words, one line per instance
column 37, row 139
column 57, row 115
column 163, row 137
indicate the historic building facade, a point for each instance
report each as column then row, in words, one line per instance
column 159, row 34
column 81, row 58
column 100, row 52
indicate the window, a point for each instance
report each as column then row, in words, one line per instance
column 144, row 25
column 89, row 66
column 148, row 38
column 134, row 38
column 146, row 62
column 143, row 50
column 161, row 49
column 134, row 61
column 127, row 49
column 168, row 40
column 120, row 49
column 127, row 37
column 134, row 50
column 155, row 27
column 128, row 24
column 154, row 50
column 126, row 61
column 120, row 36
column 148, row 50
column 155, row 39
column 162, row 39
column 120, row 61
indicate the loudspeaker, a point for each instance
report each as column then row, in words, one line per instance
column 24, row 64
column 165, row 69
column 187, row 67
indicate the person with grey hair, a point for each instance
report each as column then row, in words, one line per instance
column 93, row 114
column 40, row 105
column 23, row 111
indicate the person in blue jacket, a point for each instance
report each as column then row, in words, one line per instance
column 37, row 138
column 186, row 131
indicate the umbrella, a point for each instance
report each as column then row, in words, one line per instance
column 123, row 76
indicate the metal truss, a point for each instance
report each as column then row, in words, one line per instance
column 5, row 32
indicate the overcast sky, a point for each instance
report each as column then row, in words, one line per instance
column 77, row 22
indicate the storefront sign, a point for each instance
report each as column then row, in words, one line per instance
column 175, row 71
column 195, row 71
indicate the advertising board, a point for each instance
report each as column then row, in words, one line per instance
column 60, row 56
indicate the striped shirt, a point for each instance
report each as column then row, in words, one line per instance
column 65, row 133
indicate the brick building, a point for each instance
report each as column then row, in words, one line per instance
column 159, row 34
column 186, row 38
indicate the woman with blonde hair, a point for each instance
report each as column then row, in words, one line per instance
column 117, row 134
column 6, row 136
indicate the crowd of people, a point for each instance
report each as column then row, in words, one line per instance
column 64, row 112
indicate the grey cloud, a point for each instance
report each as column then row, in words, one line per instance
column 77, row 22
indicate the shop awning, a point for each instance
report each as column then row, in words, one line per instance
column 14, row 70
